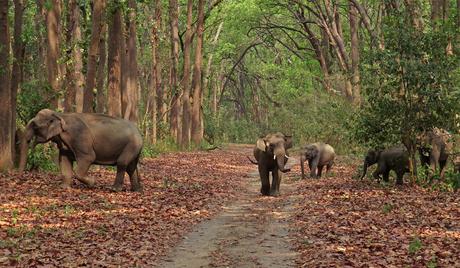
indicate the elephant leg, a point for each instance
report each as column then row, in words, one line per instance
column 82, row 170
column 434, row 160
column 119, row 179
column 133, row 173
column 442, row 165
column 66, row 169
column 314, row 167
column 379, row 170
column 329, row 166
column 275, row 189
column 320, row 170
column 386, row 175
column 264, row 179
column 399, row 177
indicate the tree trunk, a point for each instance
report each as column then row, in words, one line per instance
column 354, row 55
column 185, row 83
column 74, row 74
column 53, row 18
column 114, row 63
column 6, row 133
column 93, row 55
column 18, row 54
column 197, row 90
column 175, row 102
column 208, row 66
column 157, row 92
column 413, row 7
column 100, row 95
column 131, row 112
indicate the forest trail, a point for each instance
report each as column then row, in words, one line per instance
column 250, row 232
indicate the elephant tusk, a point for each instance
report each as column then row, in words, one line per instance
column 286, row 156
column 274, row 157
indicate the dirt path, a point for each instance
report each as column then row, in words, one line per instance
column 251, row 232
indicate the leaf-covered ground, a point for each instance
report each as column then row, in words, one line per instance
column 41, row 225
column 343, row 222
column 335, row 221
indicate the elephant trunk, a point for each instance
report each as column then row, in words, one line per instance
column 302, row 162
column 24, row 146
column 366, row 165
column 280, row 156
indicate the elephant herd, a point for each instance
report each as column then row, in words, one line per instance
column 86, row 139
column 435, row 147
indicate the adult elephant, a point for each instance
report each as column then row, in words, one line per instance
column 395, row 158
column 318, row 155
column 271, row 155
column 87, row 138
column 435, row 147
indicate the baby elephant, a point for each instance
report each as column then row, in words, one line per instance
column 395, row 158
column 318, row 155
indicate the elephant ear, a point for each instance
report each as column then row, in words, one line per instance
column 56, row 126
column 312, row 151
column 287, row 141
column 261, row 145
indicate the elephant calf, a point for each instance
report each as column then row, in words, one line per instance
column 271, row 155
column 395, row 158
column 87, row 138
column 318, row 155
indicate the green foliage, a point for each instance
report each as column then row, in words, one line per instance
column 410, row 86
column 41, row 157
column 415, row 245
column 31, row 100
column 162, row 146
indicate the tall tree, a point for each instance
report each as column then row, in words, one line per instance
column 175, row 101
column 185, row 83
column 93, row 55
column 156, row 87
column 197, row 116
column 100, row 95
column 18, row 56
column 354, row 55
column 6, row 133
column 53, row 27
column 74, row 73
column 131, row 112
column 114, row 61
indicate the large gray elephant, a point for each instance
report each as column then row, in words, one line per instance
column 318, row 155
column 435, row 147
column 87, row 139
column 395, row 158
column 271, row 155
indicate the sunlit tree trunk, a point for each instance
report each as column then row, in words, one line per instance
column 100, row 95
column 156, row 88
column 207, row 71
column 53, row 18
column 114, row 63
column 93, row 55
column 354, row 55
column 185, row 82
column 6, row 133
column 197, row 133
column 18, row 55
column 131, row 112
column 175, row 102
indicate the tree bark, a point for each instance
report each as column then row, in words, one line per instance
column 184, row 142
column 18, row 54
column 93, row 55
column 354, row 55
column 6, row 133
column 175, row 102
column 209, row 64
column 100, row 95
column 114, row 63
column 74, row 74
column 53, row 18
column 197, row 133
column 131, row 112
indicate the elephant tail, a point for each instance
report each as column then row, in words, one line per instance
column 252, row 161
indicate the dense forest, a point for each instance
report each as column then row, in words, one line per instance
column 194, row 73
column 198, row 102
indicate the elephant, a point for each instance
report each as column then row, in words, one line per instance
column 457, row 164
column 318, row 155
column 394, row 158
column 435, row 147
column 271, row 156
column 87, row 138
